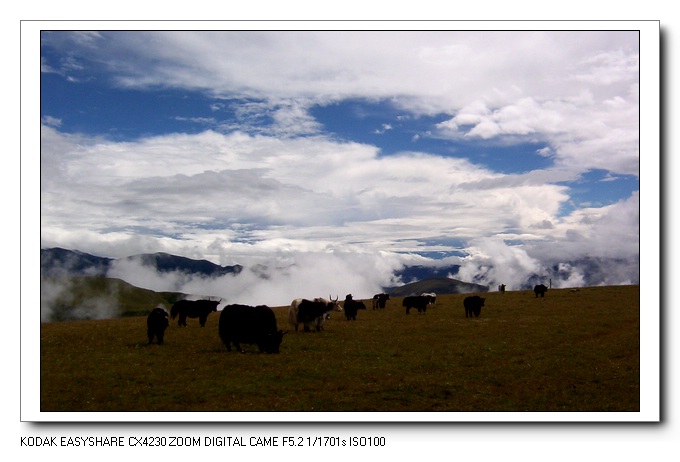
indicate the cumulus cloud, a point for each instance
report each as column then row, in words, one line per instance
column 181, row 186
column 252, row 194
column 491, row 261
column 612, row 231
column 582, row 134
column 589, row 246
column 426, row 71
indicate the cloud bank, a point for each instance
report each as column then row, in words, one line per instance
column 267, row 185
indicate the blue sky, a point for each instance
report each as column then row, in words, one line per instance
column 354, row 153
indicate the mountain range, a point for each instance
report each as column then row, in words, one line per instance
column 61, row 268
column 57, row 262
column 78, row 285
column 62, row 262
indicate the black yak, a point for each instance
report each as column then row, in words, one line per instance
column 351, row 307
column 473, row 305
column 250, row 324
column 380, row 300
column 419, row 302
column 193, row 309
column 540, row 289
column 156, row 323
column 314, row 312
column 432, row 296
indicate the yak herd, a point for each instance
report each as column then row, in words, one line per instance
column 257, row 324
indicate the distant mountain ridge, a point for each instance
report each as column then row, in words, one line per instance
column 440, row 285
column 63, row 267
column 59, row 262
column 78, row 285
column 166, row 263
column 62, row 262
column 416, row 273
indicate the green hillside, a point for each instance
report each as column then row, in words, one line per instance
column 94, row 297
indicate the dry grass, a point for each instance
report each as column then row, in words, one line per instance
column 569, row 351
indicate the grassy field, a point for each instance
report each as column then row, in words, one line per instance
column 569, row 351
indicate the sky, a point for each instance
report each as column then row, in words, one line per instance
column 326, row 161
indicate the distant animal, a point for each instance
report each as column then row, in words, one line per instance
column 193, row 309
column 250, row 324
column 310, row 312
column 501, row 288
column 540, row 289
column 473, row 305
column 351, row 307
column 156, row 323
column 432, row 296
column 380, row 300
column 419, row 302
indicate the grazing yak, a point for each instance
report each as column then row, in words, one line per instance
column 540, row 289
column 156, row 323
column 351, row 307
column 380, row 300
column 473, row 305
column 310, row 312
column 250, row 324
column 432, row 296
column 419, row 302
column 193, row 309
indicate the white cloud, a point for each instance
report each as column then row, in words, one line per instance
column 58, row 300
column 440, row 69
column 492, row 261
column 608, row 232
column 582, row 134
column 609, row 67
column 190, row 187
column 311, row 197
column 575, row 90
column 278, row 278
